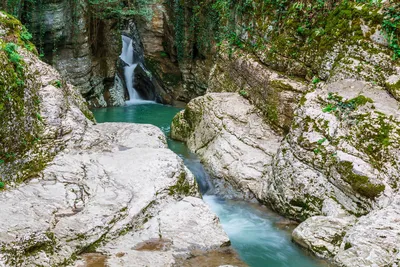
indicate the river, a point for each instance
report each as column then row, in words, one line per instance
column 251, row 227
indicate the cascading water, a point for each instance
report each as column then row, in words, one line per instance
column 128, row 56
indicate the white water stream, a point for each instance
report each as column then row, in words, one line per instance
column 128, row 56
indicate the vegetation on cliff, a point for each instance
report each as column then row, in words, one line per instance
column 20, row 125
column 33, row 14
column 289, row 28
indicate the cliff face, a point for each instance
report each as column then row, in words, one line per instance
column 189, row 45
column 224, row 46
column 28, row 135
column 81, row 46
column 307, row 42
column 82, row 40
column 311, row 123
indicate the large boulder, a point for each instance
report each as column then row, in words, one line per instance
column 172, row 233
column 344, row 145
column 231, row 138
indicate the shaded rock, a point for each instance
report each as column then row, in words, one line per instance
column 80, row 46
column 274, row 94
column 144, row 84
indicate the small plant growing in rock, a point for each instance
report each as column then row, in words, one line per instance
column 329, row 108
column 13, row 56
column 391, row 24
column 57, row 83
column 321, row 141
column 244, row 93
column 25, row 35
column 316, row 80
column 39, row 117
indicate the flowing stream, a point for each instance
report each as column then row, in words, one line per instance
column 251, row 227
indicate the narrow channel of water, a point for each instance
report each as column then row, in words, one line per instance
column 251, row 227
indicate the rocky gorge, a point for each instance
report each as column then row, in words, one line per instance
column 80, row 186
column 294, row 103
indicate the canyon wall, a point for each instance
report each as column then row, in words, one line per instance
column 302, row 111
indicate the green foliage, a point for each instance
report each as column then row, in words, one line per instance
column 343, row 108
column 179, row 13
column 316, row 80
column 11, row 50
column 22, row 134
column 391, row 24
column 244, row 93
column 2, row 185
column 25, row 35
column 57, row 83
column 106, row 9
column 329, row 108
column 16, row 59
column 163, row 54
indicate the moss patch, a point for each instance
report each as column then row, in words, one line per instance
column 182, row 186
column 359, row 183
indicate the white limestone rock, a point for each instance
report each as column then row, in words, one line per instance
column 171, row 234
column 230, row 137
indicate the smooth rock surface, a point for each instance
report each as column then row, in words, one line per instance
column 172, row 233
column 230, row 137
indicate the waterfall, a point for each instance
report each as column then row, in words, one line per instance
column 128, row 56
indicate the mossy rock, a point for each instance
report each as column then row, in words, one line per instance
column 22, row 124
column 360, row 183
